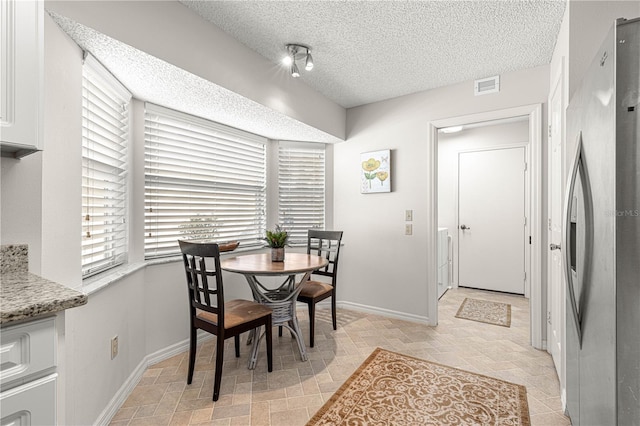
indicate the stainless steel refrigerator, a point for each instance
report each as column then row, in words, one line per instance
column 601, row 245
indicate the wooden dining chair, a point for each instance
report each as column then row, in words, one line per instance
column 208, row 310
column 326, row 244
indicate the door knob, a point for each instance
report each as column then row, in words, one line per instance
column 554, row 246
column 463, row 227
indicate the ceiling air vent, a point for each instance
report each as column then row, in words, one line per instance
column 485, row 86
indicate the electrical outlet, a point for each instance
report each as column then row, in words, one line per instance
column 408, row 215
column 408, row 229
column 114, row 347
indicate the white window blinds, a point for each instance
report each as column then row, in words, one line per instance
column 301, row 182
column 105, row 127
column 203, row 180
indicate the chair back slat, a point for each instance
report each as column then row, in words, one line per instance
column 327, row 245
column 193, row 281
column 206, row 291
column 204, row 277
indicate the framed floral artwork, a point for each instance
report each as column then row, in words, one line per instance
column 375, row 171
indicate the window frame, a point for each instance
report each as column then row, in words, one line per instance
column 100, row 86
column 293, row 191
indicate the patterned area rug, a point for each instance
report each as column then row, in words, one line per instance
column 485, row 311
column 395, row 389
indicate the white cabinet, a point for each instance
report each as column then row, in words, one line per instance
column 28, row 373
column 443, row 261
column 21, row 76
column 27, row 350
column 33, row 403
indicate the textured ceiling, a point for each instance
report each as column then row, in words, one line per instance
column 367, row 51
column 364, row 51
column 156, row 81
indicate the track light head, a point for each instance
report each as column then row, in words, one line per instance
column 294, row 70
column 309, row 62
column 297, row 52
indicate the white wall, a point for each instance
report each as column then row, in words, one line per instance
column 381, row 268
column 62, row 159
column 21, row 192
column 172, row 32
column 559, row 67
column 449, row 146
column 92, row 377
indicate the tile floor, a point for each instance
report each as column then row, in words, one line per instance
column 293, row 392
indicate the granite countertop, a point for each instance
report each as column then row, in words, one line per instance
column 25, row 295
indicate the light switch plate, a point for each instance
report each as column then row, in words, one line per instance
column 408, row 215
column 114, row 347
column 408, row 229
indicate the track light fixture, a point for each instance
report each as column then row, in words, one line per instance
column 298, row 52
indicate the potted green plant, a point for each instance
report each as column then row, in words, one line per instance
column 277, row 240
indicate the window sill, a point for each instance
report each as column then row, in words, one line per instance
column 98, row 282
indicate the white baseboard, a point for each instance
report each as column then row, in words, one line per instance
column 384, row 312
column 127, row 387
column 169, row 351
column 121, row 396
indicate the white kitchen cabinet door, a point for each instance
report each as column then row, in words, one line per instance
column 31, row 404
column 21, row 76
column 28, row 350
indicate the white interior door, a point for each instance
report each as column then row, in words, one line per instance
column 555, row 286
column 491, row 219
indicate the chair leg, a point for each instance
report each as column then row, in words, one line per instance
column 333, row 311
column 237, row 343
column 268, row 338
column 291, row 328
column 193, row 343
column 312, row 322
column 219, row 360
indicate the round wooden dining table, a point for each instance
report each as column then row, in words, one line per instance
column 281, row 298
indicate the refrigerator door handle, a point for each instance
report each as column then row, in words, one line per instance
column 566, row 235
column 578, row 168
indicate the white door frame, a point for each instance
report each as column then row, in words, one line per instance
column 557, row 84
column 534, row 111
